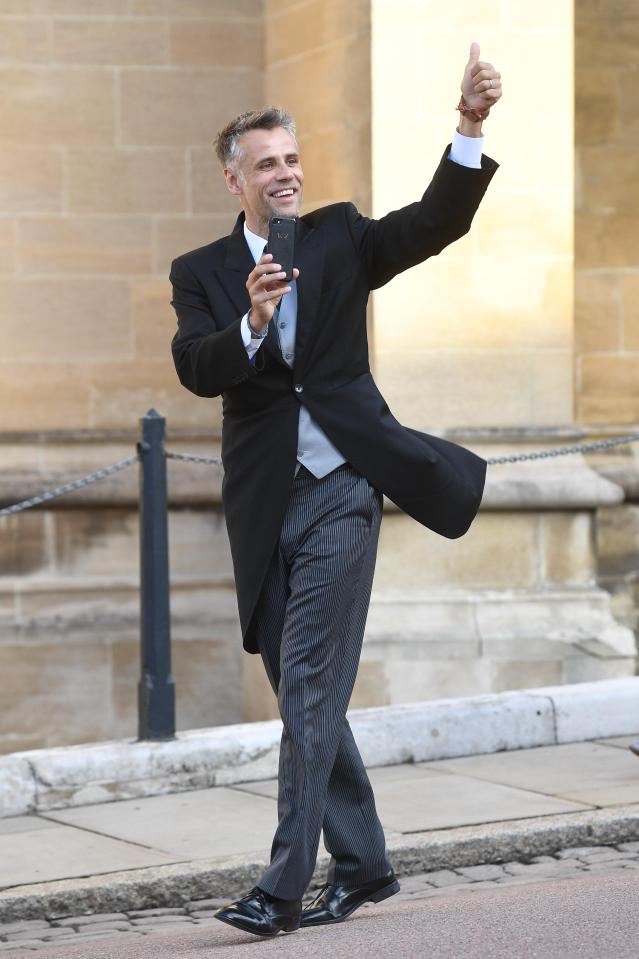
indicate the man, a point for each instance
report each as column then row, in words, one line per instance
column 308, row 447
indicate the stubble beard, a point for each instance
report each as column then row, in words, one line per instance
column 269, row 209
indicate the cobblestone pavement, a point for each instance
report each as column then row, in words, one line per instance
column 35, row 934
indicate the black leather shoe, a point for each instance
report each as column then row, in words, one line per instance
column 335, row 902
column 262, row 914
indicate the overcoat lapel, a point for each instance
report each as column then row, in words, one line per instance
column 237, row 266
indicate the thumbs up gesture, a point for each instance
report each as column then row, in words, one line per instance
column 481, row 84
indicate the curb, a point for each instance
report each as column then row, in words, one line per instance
column 39, row 780
column 230, row 876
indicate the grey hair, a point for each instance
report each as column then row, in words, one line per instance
column 227, row 142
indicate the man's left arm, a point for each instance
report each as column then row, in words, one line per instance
column 408, row 236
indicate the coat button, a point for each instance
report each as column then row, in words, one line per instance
column 299, row 388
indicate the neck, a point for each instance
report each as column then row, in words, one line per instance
column 258, row 226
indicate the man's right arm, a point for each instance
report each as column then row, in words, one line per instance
column 208, row 360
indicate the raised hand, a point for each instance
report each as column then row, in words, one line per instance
column 481, row 84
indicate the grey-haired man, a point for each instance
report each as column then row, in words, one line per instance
column 309, row 447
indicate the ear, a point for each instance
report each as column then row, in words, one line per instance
column 232, row 182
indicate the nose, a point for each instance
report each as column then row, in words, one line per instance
column 283, row 171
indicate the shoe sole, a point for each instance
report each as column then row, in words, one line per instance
column 254, row 932
column 384, row 893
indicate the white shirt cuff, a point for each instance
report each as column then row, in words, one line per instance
column 251, row 343
column 246, row 332
column 467, row 151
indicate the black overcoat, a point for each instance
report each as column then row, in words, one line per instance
column 341, row 256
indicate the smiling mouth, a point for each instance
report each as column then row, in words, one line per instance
column 284, row 194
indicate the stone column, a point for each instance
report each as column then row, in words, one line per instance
column 478, row 343
column 481, row 335
column 607, row 212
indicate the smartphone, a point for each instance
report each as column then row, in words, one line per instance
column 281, row 243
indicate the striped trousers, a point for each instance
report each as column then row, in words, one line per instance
column 310, row 626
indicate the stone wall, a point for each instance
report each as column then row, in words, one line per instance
column 481, row 335
column 607, row 211
column 109, row 108
column 97, row 202
column 107, row 172
column 318, row 65
column 69, row 599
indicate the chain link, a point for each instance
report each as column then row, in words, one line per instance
column 68, row 487
column 193, row 458
column 217, row 461
column 494, row 461
column 565, row 450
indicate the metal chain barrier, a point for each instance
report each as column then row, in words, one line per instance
column 193, row 458
column 496, row 460
column 68, row 487
column 217, row 461
column 565, row 450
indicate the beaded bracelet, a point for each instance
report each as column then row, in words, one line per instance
column 465, row 110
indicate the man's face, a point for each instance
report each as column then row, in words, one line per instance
column 272, row 178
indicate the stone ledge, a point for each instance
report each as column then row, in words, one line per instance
column 569, row 485
column 230, row 876
column 69, row 776
column 622, row 474
column 574, row 617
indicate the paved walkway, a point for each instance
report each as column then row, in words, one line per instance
column 97, row 840
column 576, row 863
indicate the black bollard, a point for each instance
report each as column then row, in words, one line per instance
column 156, row 690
